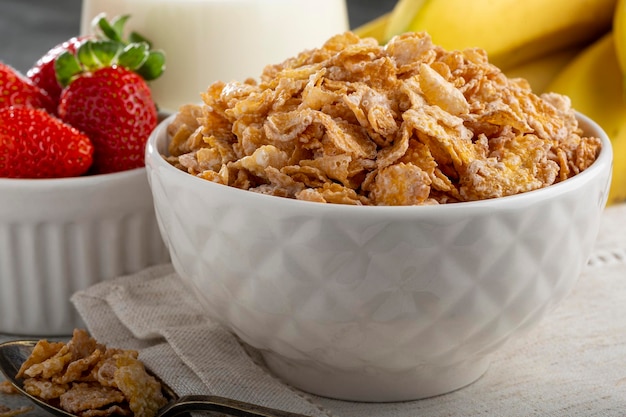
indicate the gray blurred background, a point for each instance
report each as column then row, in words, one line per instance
column 29, row 28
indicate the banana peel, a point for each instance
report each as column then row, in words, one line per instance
column 401, row 17
column 594, row 83
column 541, row 71
column 374, row 28
column 512, row 31
column 619, row 31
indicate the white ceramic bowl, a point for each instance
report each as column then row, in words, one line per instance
column 377, row 303
column 58, row 236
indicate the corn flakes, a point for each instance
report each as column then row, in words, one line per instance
column 88, row 379
column 407, row 123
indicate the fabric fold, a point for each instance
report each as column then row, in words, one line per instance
column 151, row 312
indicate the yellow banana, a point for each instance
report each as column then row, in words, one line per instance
column 401, row 17
column 619, row 31
column 512, row 31
column 594, row 83
column 541, row 71
column 374, row 28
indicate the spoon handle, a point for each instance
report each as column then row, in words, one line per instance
column 223, row 405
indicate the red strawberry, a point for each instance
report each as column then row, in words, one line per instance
column 105, row 95
column 42, row 74
column 114, row 107
column 17, row 90
column 35, row 144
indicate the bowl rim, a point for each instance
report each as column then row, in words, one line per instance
column 604, row 160
column 83, row 181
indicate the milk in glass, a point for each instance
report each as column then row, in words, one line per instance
column 209, row 40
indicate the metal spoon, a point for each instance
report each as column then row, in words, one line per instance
column 13, row 354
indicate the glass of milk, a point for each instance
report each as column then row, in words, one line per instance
column 210, row 40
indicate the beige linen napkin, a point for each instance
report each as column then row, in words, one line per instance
column 572, row 364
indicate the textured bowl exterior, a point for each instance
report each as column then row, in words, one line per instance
column 377, row 303
column 59, row 236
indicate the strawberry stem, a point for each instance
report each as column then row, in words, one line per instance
column 113, row 31
column 133, row 55
column 98, row 54
column 66, row 67
column 153, row 66
column 108, row 49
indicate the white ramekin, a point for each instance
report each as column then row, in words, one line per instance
column 58, row 236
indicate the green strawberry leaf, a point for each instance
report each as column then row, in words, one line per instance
column 135, row 37
column 133, row 55
column 110, row 48
column 153, row 67
column 118, row 24
column 100, row 22
column 104, row 52
column 86, row 57
column 66, row 67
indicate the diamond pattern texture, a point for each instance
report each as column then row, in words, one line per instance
column 377, row 290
